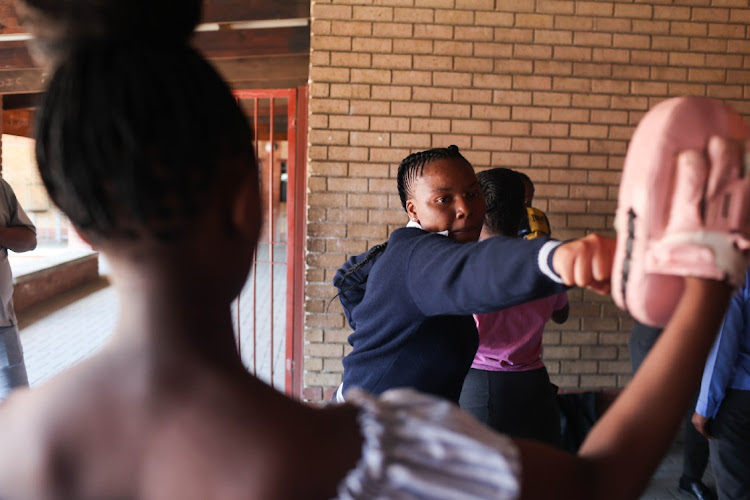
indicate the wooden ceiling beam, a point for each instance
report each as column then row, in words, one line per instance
column 8, row 20
column 253, row 42
column 282, row 71
column 228, row 11
column 15, row 55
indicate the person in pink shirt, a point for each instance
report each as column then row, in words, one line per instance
column 508, row 387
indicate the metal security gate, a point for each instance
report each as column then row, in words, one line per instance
column 268, row 313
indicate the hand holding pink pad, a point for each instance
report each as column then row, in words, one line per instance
column 683, row 206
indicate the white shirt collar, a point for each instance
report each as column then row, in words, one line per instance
column 413, row 223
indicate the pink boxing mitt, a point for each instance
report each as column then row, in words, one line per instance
column 683, row 207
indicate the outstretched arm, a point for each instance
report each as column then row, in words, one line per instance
column 625, row 446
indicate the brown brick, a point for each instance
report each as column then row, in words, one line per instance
column 626, row 102
column 591, row 101
column 430, row 125
column 375, row 45
column 553, row 352
column 473, row 64
column 470, row 127
column 612, row 25
column 432, row 3
column 686, row 89
column 375, row 14
column 432, row 94
column 411, row 140
column 433, row 31
column 530, row 113
column 576, row 84
column 350, row 90
column 326, row 200
column 553, row 68
column 474, row 33
column 724, row 91
column 509, row 128
column 350, row 59
column 411, row 46
column 328, row 137
column 347, row 153
column 555, row 7
column 648, row 57
column 575, row 23
column 372, row 139
column 514, row 66
column 570, row 115
column 368, row 170
column 367, row 200
column 608, row 116
column 630, row 71
column 530, row 144
column 349, row 122
column 433, row 62
column 532, row 51
column 491, row 81
column 671, row 13
column 414, row 109
column 610, row 55
column 688, row 29
column 370, row 75
column 724, row 61
column 390, row 123
column 514, row 35
column 476, row 96
column 549, row 160
column 331, row 11
column 392, row 61
column 444, row 140
column 573, row 53
column 550, row 129
column 391, row 92
column 594, row 8
column 510, row 160
column 553, row 37
column 569, row 145
column 320, row 58
column 672, row 43
column 583, row 130
column 596, row 382
column 392, row 30
column 511, row 97
column 650, row 27
column 454, row 17
column 495, row 19
column 351, row 28
column 710, row 14
column 475, row 4
column 669, row 74
column 318, row 74
column 708, row 45
column 330, row 43
column 603, row 86
column 706, row 75
column 649, row 88
column 581, row 366
column 595, row 39
column 411, row 77
column 451, row 79
column 632, row 41
column 417, row 16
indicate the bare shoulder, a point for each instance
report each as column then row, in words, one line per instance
column 26, row 453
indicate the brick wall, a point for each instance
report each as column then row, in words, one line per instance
column 552, row 88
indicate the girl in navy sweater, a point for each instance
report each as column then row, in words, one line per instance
column 413, row 325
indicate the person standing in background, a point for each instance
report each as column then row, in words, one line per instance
column 508, row 387
column 534, row 222
column 722, row 413
column 17, row 233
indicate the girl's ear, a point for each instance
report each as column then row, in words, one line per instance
column 246, row 216
column 411, row 210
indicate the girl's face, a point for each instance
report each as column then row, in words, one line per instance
column 447, row 197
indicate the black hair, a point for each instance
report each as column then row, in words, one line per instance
column 412, row 167
column 503, row 192
column 134, row 136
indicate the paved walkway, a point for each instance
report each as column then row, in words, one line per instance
column 62, row 331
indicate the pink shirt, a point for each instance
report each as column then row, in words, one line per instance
column 511, row 340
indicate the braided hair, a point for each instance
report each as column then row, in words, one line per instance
column 134, row 136
column 503, row 193
column 411, row 168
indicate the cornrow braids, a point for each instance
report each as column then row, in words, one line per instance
column 503, row 192
column 412, row 167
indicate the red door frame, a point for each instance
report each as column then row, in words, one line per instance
column 296, row 206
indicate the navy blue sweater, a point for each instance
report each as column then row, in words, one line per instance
column 412, row 323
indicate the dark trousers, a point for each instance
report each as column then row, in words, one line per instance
column 519, row 404
column 695, row 454
column 730, row 448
